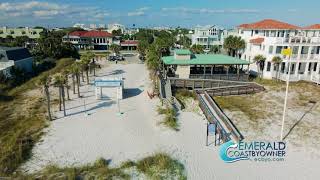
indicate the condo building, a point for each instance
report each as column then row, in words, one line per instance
column 208, row 36
column 269, row 37
column 32, row 33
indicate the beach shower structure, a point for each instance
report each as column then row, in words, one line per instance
column 107, row 87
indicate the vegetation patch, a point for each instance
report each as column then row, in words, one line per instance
column 161, row 166
column 183, row 94
column 158, row 166
column 170, row 119
column 253, row 106
column 22, row 119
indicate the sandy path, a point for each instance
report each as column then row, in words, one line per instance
column 76, row 139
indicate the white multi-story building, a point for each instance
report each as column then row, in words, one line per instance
column 115, row 26
column 268, row 38
column 208, row 36
column 32, row 33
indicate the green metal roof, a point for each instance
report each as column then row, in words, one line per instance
column 182, row 51
column 202, row 59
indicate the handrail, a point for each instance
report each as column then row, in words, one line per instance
column 223, row 118
column 215, row 80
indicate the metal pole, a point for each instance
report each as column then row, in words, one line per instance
column 286, row 98
column 207, row 134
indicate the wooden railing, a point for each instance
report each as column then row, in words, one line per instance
column 218, row 117
column 234, row 90
column 206, row 83
column 231, row 77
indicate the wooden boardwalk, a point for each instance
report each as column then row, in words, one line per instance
column 217, row 87
column 224, row 129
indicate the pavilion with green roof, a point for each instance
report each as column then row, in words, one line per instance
column 184, row 64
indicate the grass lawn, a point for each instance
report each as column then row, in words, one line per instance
column 22, row 119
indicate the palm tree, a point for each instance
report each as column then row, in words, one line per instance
column 73, row 75
column 44, row 82
column 277, row 61
column 115, row 48
column 197, row 49
column 260, row 61
column 60, row 81
column 66, row 73
column 76, row 69
column 233, row 44
column 85, row 62
column 215, row 49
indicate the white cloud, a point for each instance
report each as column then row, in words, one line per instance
column 143, row 8
column 138, row 13
column 208, row 11
column 21, row 11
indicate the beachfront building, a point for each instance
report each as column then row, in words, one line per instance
column 185, row 65
column 268, row 38
column 129, row 45
column 15, row 57
column 97, row 40
column 32, row 33
column 208, row 36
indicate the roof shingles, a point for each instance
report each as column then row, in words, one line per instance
column 90, row 34
column 268, row 24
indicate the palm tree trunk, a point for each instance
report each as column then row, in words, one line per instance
column 78, row 84
column 87, row 74
column 68, row 95
column 82, row 76
column 63, row 101
column 60, row 99
column 73, row 84
column 46, row 90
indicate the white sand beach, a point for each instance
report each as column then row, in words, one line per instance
column 78, row 139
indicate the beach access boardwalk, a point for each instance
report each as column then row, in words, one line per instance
column 224, row 129
column 217, row 87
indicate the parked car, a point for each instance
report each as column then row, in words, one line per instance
column 117, row 57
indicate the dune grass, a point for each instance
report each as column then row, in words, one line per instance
column 161, row 166
column 155, row 167
column 183, row 95
column 21, row 120
column 170, row 119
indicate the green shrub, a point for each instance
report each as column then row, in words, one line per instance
column 170, row 119
column 161, row 166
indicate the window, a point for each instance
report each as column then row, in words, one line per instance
column 256, row 31
column 315, row 66
column 299, row 67
column 268, row 66
column 304, row 49
column 279, row 49
column 292, row 67
column 270, row 49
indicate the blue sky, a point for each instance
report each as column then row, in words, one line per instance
column 148, row 13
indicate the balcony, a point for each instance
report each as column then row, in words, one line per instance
column 298, row 40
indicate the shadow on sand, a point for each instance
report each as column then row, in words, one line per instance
column 98, row 106
column 115, row 72
column 131, row 92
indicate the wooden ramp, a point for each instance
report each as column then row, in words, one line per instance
column 224, row 129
